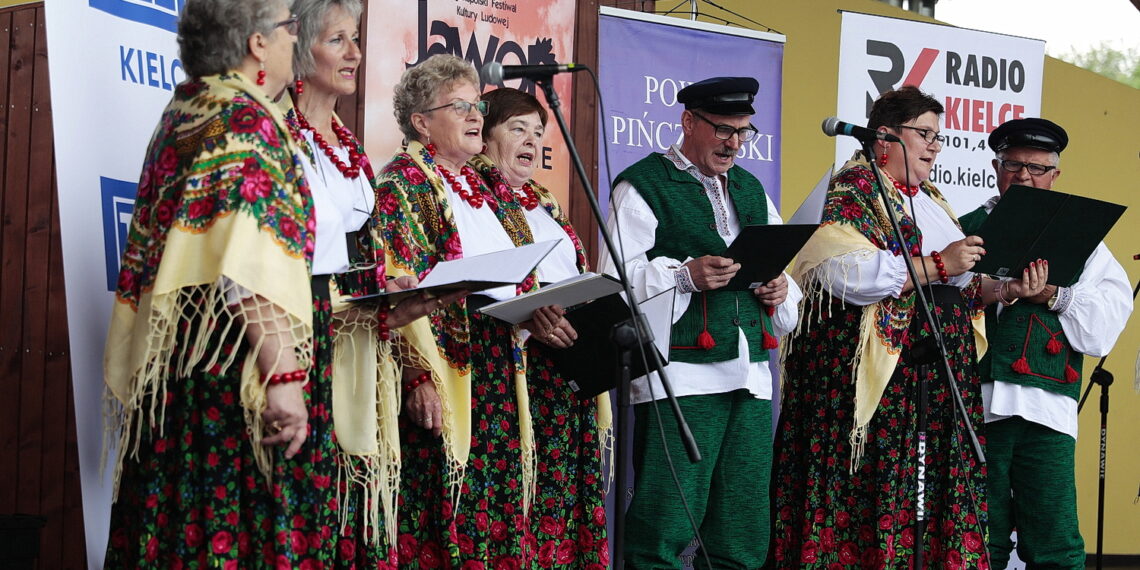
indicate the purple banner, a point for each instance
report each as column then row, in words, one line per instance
column 645, row 60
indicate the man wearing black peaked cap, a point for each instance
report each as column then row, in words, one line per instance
column 677, row 212
column 1032, row 373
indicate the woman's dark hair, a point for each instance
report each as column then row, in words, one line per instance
column 901, row 106
column 506, row 102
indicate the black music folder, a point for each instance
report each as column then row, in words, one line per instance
column 763, row 252
column 590, row 365
column 1030, row 224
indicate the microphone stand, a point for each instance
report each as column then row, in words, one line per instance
column 1104, row 378
column 925, row 354
column 626, row 334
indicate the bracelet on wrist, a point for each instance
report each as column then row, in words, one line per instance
column 382, row 317
column 286, row 377
column 999, row 293
column 414, row 383
column 942, row 275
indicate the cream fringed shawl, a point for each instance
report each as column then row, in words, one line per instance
column 223, row 214
column 419, row 230
column 854, row 221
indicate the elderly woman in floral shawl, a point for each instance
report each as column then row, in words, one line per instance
column 568, row 518
column 468, row 440
column 219, row 357
column 844, row 482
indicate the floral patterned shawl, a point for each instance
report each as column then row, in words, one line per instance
column 854, row 221
column 222, row 206
column 416, row 223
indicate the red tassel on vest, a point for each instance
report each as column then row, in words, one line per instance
column 705, row 340
column 1054, row 346
column 1021, row 366
column 770, row 342
column 1071, row 374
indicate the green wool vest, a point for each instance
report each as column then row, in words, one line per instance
column 686, row 227
column 1027, row 344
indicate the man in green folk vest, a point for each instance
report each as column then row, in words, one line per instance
column 1032, row 372
column 677, row 213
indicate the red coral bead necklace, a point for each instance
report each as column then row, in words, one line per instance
column 344, row 137
column 527, row 197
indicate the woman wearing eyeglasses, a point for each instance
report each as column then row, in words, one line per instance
column 845, row 477
column 216, row 359
column 468, row 449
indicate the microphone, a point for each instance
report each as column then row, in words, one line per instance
column 496, row 73
column 834, row 127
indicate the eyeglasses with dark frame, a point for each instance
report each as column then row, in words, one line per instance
column 1016, row 166
column 725, row 132
column 292, row 25
column 462, row 108
column 927, row 135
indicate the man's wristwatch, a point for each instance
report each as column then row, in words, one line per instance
column 1052, row 300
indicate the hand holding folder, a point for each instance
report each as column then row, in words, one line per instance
column 764, row 251
column 1030, row 223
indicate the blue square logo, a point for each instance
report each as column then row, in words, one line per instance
column 118, row 207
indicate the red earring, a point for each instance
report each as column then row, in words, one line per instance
column 883, row 159
column 261, row 75
column 300, row 87
column 431, row 149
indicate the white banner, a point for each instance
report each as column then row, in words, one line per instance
column 982, row 79
column 113, row 68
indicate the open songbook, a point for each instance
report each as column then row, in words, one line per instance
column 478, row 272
column 566, row 293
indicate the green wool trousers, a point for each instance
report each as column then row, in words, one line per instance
column 727, row 490
column 1032, row 488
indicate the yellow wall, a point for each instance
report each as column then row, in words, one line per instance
column 7, row 3
column 1102, row 118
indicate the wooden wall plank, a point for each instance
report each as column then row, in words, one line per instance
column 60, row 448
column 9, row 382
column 5, row 49
column 37, row 240
column 12, row 230
column 584, row 126
column 15, row 263
column 43, row 238
column 74, row 545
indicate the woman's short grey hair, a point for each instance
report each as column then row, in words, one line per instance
column 420, row 85
column 213, row 35
column 312, row 14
